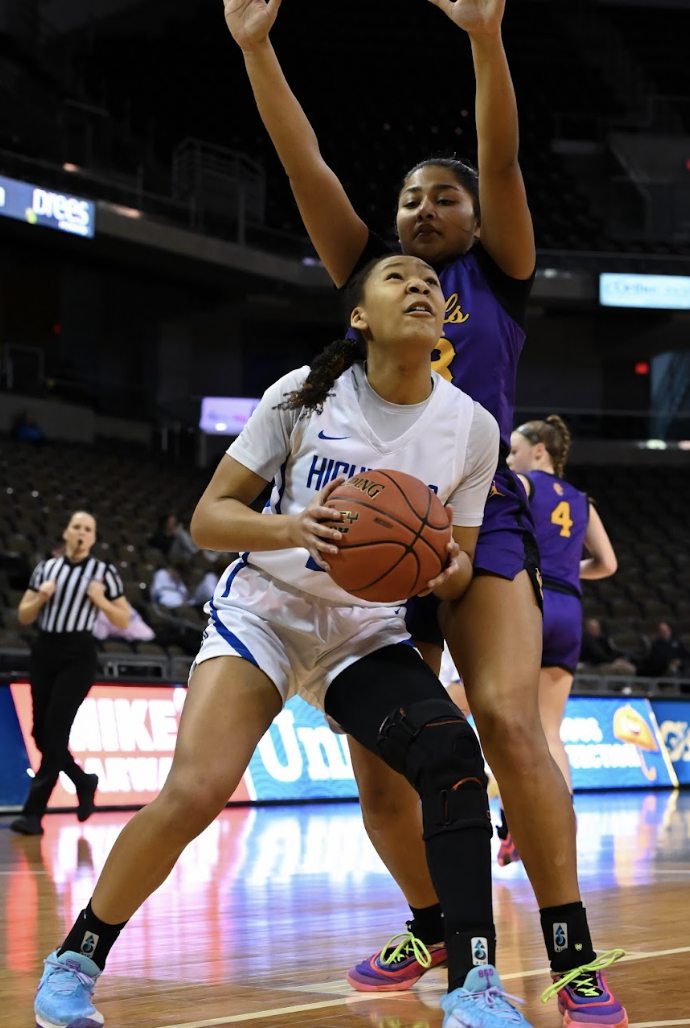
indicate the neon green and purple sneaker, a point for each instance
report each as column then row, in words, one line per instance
column 396, row 967
column 585, row 999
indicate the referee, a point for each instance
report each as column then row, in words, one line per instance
column 64, row 597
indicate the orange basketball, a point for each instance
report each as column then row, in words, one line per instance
column 395, row 533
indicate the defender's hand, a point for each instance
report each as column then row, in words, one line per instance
column 476, row 17
column 250, row 21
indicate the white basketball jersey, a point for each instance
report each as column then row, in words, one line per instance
column 304, row 454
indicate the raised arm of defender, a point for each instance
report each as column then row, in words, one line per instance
column 338, row 234
column 506, row 224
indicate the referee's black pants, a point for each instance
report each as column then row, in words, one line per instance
column 62, row 670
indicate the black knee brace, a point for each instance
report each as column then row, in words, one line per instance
column 432, row 745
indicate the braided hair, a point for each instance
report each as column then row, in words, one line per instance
column 465, row 173
column 554, row 434
column 336, row 358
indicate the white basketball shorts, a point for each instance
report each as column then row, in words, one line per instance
column 300, row 641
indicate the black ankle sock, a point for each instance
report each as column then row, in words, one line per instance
column 427, row 924
column 468, row 949
column 566, row 934
column 91, row 937
column 502, row 829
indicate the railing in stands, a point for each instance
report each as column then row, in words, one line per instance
column 132, row 194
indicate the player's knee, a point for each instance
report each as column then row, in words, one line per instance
column 513, row 745
column 191, row 804
column 432, row 744
column 383, row 807
column 506, row 719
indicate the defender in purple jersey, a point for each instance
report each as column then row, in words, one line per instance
column 485, row 260
column 566, row 524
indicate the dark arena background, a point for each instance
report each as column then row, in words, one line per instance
column 155, row 278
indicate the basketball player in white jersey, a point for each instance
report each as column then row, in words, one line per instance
column 279, row 625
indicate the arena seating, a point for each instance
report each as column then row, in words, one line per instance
column 643, row 509
column 403, row 123
column 645, row 512
column 660, row 44
column 395, row 120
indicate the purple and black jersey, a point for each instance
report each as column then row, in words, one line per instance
column 481, row 342
column 483, row 336
column 560, row 513
column 483, row 331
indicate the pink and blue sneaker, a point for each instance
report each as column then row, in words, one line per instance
column 64, row 993
column 481, row 1003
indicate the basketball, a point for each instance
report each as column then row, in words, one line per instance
column 395, row 533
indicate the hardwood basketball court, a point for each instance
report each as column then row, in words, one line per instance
column 265, row 912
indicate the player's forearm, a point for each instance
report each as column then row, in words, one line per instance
column 597, row 567
column 230, row 526
column 28, row 610
column 496, row 113
column 456, row 586
column 291, row 133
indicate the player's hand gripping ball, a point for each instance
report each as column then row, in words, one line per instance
column 395, row 533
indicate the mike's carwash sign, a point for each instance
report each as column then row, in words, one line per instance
column 37, row 205
column 126, row 735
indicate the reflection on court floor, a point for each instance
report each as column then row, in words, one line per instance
column 265, row 912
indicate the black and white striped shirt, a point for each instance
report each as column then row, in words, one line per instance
column 69, row 609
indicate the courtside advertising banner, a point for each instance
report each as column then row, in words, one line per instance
column 126, row 735
column 673, row 717
column 13, row 761
column 615, row 744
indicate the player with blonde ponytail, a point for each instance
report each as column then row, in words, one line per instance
column 566, row 522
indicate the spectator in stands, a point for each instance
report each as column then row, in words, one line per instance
column 64, row 596
column 183, row 546
column 598, row 651
column 27, row 430
column 170, row 586
column 136, row 631
column 667, row 655
column 173, row 539
column 204, row 589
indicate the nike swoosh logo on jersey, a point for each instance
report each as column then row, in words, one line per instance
column 322, row 436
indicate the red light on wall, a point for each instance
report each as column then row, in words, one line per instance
column 57, row 329
column 642, row 368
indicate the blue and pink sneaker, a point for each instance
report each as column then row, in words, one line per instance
column 64, row 993
column 481, row 1003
